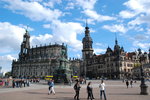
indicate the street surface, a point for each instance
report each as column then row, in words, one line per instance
column 115, row 90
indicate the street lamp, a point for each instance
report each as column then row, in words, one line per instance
column 143, row 86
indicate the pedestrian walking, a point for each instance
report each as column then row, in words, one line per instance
column 77, row 90
column 127, row 83
column 90, row 91
column 51, row 87
column 102, row 90
column 131, row 83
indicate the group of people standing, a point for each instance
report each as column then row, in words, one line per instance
column 19, row 82
column 89, row 90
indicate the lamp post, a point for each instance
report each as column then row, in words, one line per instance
column 143, row 86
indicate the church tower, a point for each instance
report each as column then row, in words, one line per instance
column 87, row 51
column 25, row 46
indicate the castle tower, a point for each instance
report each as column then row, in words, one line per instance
column 87, row 51
column 117, row 48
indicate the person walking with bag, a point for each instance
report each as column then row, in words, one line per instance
column 102, row 90
column 90, row 91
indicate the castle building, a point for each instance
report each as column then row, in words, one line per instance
column 113, row 64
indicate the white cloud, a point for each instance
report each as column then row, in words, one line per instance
column 136, row 21
column 138, row 5
column 141, row 37
column 127, row 14
column 77, row 56
column 141, row 45
column 116, row 28
column 62, row 32
column 94, row 15
column 88, row 9
column 98, row 44
column 70, row 5
column 5, row 62
column 33, row 10
column 47, row 25
column 67, row 33
column 51, row 3
column 148, row 31
column 102, row 45
column 99, row 51
column 138, row 12
column 139, row 9
column 41, row 39
column 36, row 0
column 7, row 57
column 86, row 4
column 10, row 37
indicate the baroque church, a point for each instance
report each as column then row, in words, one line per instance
column 40, row 61
column 53, row 60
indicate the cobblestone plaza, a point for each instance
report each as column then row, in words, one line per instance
column 115, row 90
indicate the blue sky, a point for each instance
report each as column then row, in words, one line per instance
column 63, row 21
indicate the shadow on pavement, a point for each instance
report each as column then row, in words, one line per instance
column 67, row 98
column 59, row 98
column 35, row 92
column 65, row 92
column 124, row 94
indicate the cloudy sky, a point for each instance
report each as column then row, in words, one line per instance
column 63, row 21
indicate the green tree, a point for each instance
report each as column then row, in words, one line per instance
column 7, row 74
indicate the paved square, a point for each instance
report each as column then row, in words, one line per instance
column 115, row 90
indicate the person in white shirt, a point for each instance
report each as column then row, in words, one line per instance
column 102, row 90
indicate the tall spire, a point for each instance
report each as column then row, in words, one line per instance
column 116, row 41
column 87, row 29
column 86, row 23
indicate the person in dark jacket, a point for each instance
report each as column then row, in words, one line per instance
column 127, row 83
column 77, row 90
column 90, row 91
